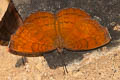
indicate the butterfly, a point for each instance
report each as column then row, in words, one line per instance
column 70, row 28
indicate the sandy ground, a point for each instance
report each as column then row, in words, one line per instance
column 3, row 8
column 101, row 64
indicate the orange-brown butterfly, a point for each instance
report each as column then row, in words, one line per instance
column 70, row 28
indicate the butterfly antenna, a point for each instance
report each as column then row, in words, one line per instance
column 60, row 51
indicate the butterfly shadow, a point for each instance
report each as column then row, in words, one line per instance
column 115, row 39
column 55, row 59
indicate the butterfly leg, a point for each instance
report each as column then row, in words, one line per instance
column 60, row 51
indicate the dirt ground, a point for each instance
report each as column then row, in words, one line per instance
column 99, row 64
column 103, row 64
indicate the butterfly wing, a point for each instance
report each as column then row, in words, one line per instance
column 81, row 32
column 36, row 35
